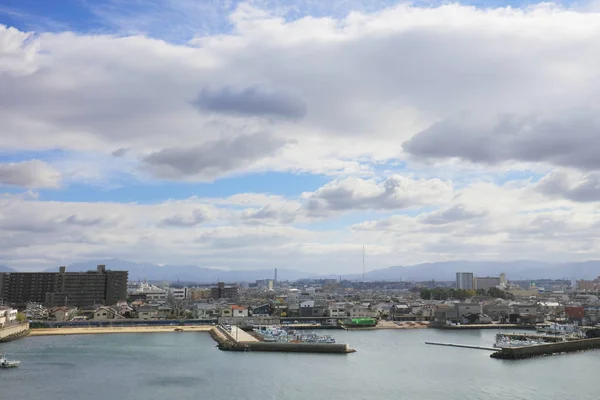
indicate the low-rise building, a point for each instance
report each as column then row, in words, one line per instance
column 106, row 313
column 147, row 311
column 239, row 311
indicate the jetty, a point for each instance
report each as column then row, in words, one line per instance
column 466, row 346
column 238, row 340
column 524, row 352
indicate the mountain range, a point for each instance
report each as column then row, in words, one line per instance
column 4, row 268
column 440, row 271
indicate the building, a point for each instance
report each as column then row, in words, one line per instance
column 239, row 311
column 486, row 283
column 464, row 280
column 181, row 293
column 589, row 286
column 106, row 313
column 224, row 292
column 64, row 288
column 8, row 316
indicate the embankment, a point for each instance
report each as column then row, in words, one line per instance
column 329, row 348
column 118, row 329
column 14, row 332
column 520, row 353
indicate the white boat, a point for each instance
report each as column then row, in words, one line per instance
column 4, row 363
column 559, row 329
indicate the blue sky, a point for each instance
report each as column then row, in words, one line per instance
column 234, row 134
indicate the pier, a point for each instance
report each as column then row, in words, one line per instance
column 466, row 346
column 238, row 340
column 520, row 353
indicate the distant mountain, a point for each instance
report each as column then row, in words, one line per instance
column 4, row 268
column 153, row 272
column 514, row 270
column 440, row 271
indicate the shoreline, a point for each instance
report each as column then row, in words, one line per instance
column 115, row 329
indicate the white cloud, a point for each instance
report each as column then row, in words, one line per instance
column 29, row 174
column 396, row 192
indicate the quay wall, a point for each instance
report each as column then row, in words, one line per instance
column 332, row 348
column 14, row 332
column 519, row 353
column 483, row 326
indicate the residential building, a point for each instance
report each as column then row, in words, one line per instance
column 239, row 311
column 306, row 308
column 224, row 292
column 464, row 280
column 64, row 288
column 486, row 283
column 262, row 310
column 62, row 314
column 181, row 293
column 8, row 316
column 147, row 311
column 106, row 313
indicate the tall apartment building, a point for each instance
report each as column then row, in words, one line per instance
column 486, row 282
column 464, row 280
column 224, row 292
column 64, row 288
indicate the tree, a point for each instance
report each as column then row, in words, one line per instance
column 21, row 318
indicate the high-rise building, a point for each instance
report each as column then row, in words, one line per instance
column 224, row 292
column 486, row 283
column 464, row 280
column 61, row 288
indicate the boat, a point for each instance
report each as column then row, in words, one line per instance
column 558, row 329
column 4, row 363
column 505, row 342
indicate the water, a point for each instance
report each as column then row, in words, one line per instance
column 388, row 365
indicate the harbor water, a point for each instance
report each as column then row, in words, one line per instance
column 389, row 364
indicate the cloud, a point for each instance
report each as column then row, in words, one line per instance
column 456, row 213
column 251, row 101
column 568, row 140
column 396, row 192
column 282, row 214
column 29, row 174
column 212, row 159
column 197, row 217
column 18, row 52
column 573, row 186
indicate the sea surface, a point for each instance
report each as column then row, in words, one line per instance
column 388, row 364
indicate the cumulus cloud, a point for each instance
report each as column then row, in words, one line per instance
column 251, row 101
column 211, row 159
column 29, row 174
column 569, row 140
column 197, row 217
column 18, row 52
column 456, row 213
column 396, row 192
column 283, row 214
column 573, row 186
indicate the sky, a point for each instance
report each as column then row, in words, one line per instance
column 290, row 134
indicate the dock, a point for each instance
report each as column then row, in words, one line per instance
column 465, row 346
column 520, row 353
column 238, row 340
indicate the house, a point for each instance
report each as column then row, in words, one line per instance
column 361, row 310
column 382, row 308
column 206, row 311
column 262, row 310
column 106, row 313
column 147, row 311
column 164, row 312
column 61, row 314
column 239, row 311
column 226, row 311
column 337, row 310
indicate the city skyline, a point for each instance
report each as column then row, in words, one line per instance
column 275, row 134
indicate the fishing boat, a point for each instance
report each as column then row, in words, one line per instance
column 4, row 363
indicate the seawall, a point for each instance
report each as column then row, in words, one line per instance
column 14, row 332
column 519, row 353
column 330, row 348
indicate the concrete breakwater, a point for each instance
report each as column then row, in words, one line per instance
column 14, row 332
column 520, row 353
column 330, row 348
